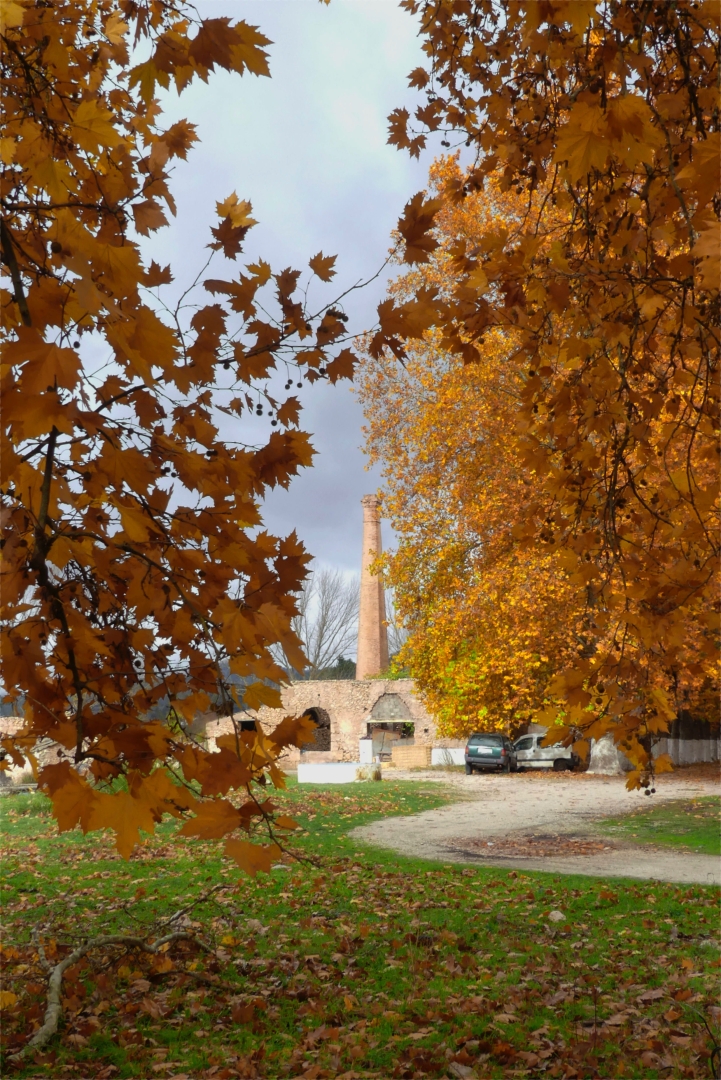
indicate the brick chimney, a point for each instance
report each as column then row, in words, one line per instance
column 372, row 629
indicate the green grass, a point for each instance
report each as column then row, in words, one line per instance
column 366, row 962
column 691, row 824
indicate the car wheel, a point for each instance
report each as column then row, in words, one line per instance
column 506, row 767
column 469, row 769
column 560, row 765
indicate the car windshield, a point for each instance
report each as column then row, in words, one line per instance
column 485, row 740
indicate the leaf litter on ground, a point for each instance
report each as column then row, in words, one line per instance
column 372, row 965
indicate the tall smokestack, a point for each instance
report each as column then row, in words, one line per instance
column 372, row 629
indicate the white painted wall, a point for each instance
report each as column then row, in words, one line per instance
column 688, row 751
column 448, row 755
column 335, row 772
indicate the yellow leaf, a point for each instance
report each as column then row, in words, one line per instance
column 12, row 13
column 162, row 964
column 261, row 270
column 92, row 127
column 580, row 142
column 477, row 279
column 708, row 248
column 258, row 694
column 115, row 28
column 238, row 210
column 56, row 177
column 579, row 13
column 663, row 763
column 662, row 702
column 135, row 524
column 7, row 999
column 47, row 365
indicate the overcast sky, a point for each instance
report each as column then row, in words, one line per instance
column 309, row 148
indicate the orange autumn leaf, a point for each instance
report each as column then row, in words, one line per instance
column 323, row 266
column 415, row 227
column 252, row 858
column 293, row 731
column 285, row 822
column 212, row 820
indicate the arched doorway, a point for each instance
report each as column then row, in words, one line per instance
column 322, row 732
column 390, row 720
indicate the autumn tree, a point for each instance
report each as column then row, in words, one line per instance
column 136, row 568
column 610, row 111
column 489, row 622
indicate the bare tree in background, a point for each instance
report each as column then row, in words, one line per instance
column 327, row 620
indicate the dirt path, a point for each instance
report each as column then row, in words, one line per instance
column 517, row 812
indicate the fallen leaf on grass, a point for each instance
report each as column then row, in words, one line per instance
column 461, row 1072
column 651, row 995
column 243, row 1014
column 616, row 1020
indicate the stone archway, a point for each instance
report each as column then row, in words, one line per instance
column 390, row 708
column 390, row 721
column 322, row 732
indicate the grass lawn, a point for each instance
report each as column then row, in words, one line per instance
column 365, row 965
column 693, row 824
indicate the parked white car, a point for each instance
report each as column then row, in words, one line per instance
column 531, row 754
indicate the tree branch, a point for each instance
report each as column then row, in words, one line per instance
column 45, row 489
column 10, row 261
column 54, row 1009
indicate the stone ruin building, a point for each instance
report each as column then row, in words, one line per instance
column 387, row 711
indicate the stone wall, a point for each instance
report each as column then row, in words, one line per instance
column 351, row 706
column 46, row 752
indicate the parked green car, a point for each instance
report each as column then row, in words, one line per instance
column 490, row 751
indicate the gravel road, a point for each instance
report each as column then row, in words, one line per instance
column 493, row 807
